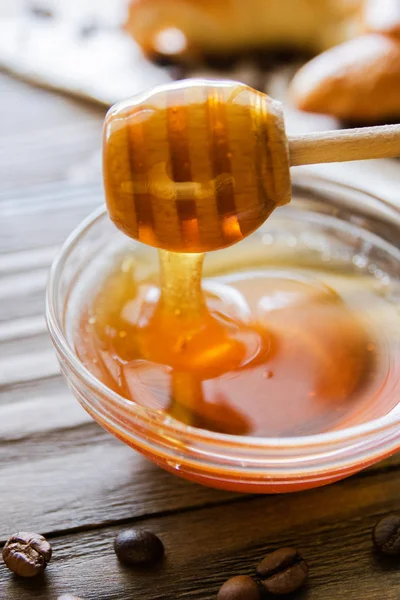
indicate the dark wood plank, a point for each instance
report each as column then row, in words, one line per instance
column 331, row 526
column 42, row 216
column 59, row 470
column 32, row 227
column 46, row 137
column 53, row 155
column 30, row 109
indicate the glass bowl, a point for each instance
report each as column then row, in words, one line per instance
column 244, row 464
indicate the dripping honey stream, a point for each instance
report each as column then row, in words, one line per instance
column 184, row 334
column 182, row 306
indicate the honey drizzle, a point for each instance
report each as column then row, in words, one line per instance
column 182, row 298
column 180, row 276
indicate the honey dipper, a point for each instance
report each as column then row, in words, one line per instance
column 198, row 165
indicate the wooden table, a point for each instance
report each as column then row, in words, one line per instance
column 63, row 476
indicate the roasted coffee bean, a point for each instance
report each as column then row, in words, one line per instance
column 136, row 547
column 242, row 587
column 386, row 535
column 282, row 572
column 27, row 554
column 41, row 11
column 88, row 29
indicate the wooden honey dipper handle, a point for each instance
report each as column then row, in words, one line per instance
column 345, row 145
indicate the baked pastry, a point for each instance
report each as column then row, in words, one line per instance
column 360, row 79
column 191, row 28
column 382, row 16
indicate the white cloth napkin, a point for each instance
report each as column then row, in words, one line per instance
column 75, row 46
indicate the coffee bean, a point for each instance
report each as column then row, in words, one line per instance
column 386, row 535
column 41, row 11
column 88, row 30
column 136, row 547
column 242, row 587
column 27, row 554
column 282, row 572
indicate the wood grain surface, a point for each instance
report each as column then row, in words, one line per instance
column 61, row 475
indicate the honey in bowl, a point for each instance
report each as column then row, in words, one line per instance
column 276, row 340
column 312, row 337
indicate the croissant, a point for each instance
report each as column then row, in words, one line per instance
column 191, row 28
column 382, row 16
column 358, row 80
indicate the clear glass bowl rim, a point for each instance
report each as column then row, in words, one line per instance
column 207, row 443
